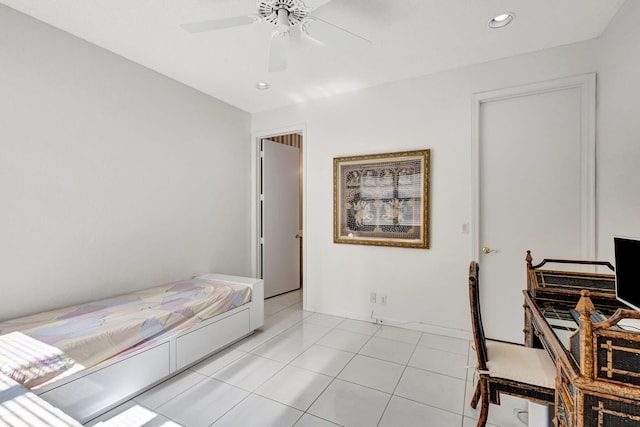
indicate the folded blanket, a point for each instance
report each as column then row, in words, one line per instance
column 29, row 361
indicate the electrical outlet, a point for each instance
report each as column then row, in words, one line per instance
column 373, row 297
column 383, row 299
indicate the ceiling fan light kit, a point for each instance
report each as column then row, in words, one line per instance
column 284, row 15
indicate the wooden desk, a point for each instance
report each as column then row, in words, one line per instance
column 598, row 365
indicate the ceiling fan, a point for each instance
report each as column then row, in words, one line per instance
column 285, row 15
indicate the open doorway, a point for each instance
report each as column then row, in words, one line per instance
column 280, row 212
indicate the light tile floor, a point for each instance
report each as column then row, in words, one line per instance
column 309, row 369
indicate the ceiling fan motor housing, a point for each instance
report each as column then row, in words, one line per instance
column 286, row 13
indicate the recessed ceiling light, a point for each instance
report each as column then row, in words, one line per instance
column 501, row 20
column 263, row 85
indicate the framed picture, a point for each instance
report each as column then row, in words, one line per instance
column 382, row 199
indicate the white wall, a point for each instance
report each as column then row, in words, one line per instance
column 426, row 287
column 112, row 177
column 619, row 129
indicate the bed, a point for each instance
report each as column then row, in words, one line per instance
column 86, row 359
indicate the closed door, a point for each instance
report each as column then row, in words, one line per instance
column 280, row 240
column 535, row 192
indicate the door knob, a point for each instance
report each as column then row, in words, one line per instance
column 486, row 250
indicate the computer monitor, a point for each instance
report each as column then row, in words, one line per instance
column 627, row 259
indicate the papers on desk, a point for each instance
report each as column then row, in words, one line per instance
column 564, row 336
column 559, row 323
column 563, row 328
column 630, row 324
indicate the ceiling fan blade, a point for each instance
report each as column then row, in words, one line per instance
column 219, row 24
column 278, row 52
column 333, row 35
column 314, row 4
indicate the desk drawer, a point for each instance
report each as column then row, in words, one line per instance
column 601, row 411
column 618, row 357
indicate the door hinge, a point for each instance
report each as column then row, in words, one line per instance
column 262, row 240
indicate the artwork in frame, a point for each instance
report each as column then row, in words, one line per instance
column 382, row 199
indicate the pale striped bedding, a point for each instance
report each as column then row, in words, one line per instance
column 90, row 333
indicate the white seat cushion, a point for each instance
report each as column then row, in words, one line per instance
column 522, row 364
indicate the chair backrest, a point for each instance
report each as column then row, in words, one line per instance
column 476, row 317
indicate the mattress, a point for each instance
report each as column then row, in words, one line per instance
column 90, row 333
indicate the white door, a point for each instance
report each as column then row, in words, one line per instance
column 535, row 190
column 280, row 218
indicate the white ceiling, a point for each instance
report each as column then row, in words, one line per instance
column 409, row 38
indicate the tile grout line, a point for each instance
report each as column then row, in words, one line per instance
column 335, row 377
column 326, row 387
column 393, row 392
column 291, row 315
column 249, row 393
column 204, row 378
column 280, row 370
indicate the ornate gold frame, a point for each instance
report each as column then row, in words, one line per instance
column 382, row 199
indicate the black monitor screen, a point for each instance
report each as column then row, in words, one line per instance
column 627, row 253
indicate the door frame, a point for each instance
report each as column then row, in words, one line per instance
column 587, row 85
column 256, row 136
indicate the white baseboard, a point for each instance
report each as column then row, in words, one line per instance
column 401, row 323
column 424, row 327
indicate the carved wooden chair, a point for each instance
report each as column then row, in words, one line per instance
column 504, row 367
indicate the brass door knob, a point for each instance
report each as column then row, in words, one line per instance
column 486, row 250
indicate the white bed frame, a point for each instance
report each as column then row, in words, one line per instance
column 93, row 391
